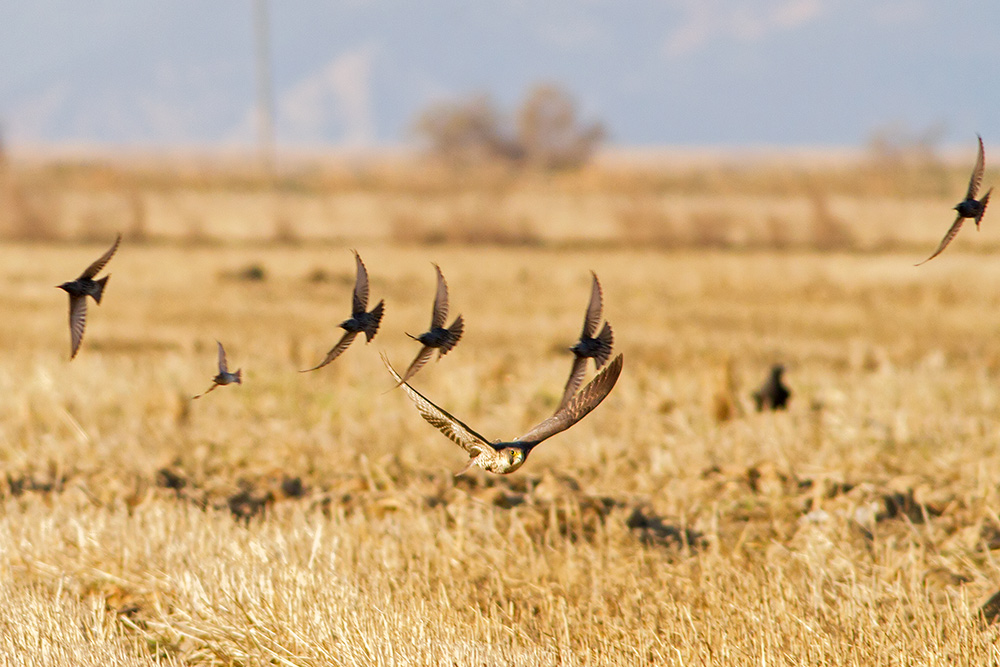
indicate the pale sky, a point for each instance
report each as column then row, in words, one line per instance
column 355, row 73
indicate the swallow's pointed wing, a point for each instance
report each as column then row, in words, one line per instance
column 223, row 367
column 96, row 267
column 578, row 407
column 207, row 391
column 575, row 380
column 453, row 428
column 593, row 317
column 977, row 172
column 440, row 313
column 341, row 345
column 955, row 226
column 422, row 358
column 360, row 301
column 77, row 322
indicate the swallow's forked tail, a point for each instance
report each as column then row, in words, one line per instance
column 982, row 211
column 376, row 314
column 454, row 334
column 239, row 375
column 606, row 341
column 100, row 287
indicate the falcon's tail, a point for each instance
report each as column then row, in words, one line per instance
column 468, row 466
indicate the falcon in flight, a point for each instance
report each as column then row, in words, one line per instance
column 505, row 457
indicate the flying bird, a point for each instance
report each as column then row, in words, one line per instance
column 773, row 394
column 360, row 320
column 589, row 347
column 505, row 457
column 968, row 207
column 78, row 291
column 224, row 376
column 438, row 337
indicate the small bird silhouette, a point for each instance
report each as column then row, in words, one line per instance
column 79, row 289
column 505, row 457
column 224, row 376
column 968, row 207
column 773, row 394
column 438, row 337
column 589, row 347
column 360, row 320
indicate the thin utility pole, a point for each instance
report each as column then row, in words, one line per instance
column 265, row 93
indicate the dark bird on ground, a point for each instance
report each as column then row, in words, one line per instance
column 360, row 321
column 224, row 376
column 589, row 347
column 773, row 394
column 78, row 291
column 506, row 457
column 968, row 207
column 438, row 337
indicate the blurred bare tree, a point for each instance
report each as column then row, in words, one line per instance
column 466, row 132
column 547, row 133
column 550, row 132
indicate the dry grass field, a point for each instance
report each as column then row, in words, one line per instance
column 314, row 519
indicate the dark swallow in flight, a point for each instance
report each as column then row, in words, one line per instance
column 968, row 207
column 78, row 291
column 773, row 394
column 438, row 337
column 360, row 320
column 589, row 347
column 224, row 376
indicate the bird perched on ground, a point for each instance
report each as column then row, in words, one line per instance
column 505, row 457
column 438, row 337
column 78, row 291
column 360, row 320
column 968, row 207
column 589, row 347
column 773, row 394
column 224, row 376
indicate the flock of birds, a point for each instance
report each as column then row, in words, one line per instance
column 496, row 456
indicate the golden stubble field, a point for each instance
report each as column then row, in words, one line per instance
column 313, row 519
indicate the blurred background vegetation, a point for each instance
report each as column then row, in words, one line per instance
column 536, row 175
